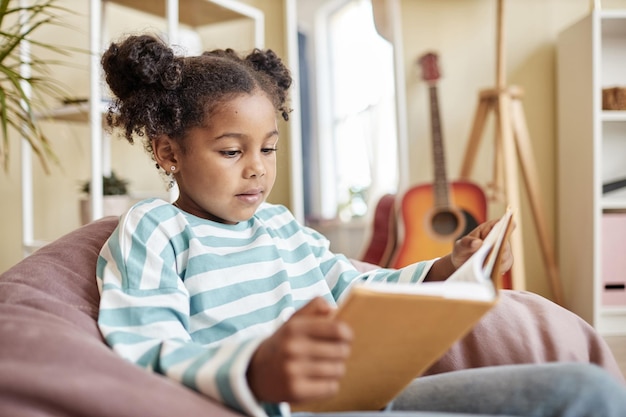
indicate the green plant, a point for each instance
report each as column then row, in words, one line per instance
column 111, row 185
column 22, row 92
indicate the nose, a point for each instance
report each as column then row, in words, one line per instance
column 254, row 167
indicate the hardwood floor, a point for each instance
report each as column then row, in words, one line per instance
column 618, row 346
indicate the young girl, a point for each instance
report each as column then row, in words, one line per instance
column 230, row 295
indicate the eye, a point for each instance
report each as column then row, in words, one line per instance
column 268, row 151
column 230, row 153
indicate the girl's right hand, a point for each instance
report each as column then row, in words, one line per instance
column 304, row 359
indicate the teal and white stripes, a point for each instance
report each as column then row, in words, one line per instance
column 192, row 299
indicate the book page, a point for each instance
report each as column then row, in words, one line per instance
column 471, row 281
column 479, row 291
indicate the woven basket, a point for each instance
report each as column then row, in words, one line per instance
column 614, row 98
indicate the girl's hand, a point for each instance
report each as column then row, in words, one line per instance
column 468, row 244
column 463, row 249
column 304, row 359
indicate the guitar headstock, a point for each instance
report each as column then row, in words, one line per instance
column 430, row 67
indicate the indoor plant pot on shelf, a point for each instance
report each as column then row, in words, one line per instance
column 115, row 198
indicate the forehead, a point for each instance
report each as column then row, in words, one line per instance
column 256, row 106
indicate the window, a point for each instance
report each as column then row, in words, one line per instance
column 356, row 140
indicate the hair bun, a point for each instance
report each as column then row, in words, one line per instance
column 266, row 61
column 140, row 62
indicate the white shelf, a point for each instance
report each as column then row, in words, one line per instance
column 615, row 200
column 612, row 321
column 614, row 115
column 613, row 23
column 190, row 12
column 591, row 55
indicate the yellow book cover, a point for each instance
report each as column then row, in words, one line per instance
column 401, row 329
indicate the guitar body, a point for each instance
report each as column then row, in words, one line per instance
column 429, row 231
column 434, row 216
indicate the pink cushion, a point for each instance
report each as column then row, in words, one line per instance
column 52, row 358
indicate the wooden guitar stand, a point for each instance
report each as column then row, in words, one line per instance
column 512, row 138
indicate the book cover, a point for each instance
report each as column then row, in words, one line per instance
column 401, row 329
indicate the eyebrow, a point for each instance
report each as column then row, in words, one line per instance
column 241, row 136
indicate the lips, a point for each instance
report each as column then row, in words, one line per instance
column 251, row 196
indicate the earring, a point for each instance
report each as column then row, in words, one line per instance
column 173, row 168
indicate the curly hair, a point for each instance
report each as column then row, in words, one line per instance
column 159, row 93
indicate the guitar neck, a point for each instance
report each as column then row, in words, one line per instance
column 441, row 182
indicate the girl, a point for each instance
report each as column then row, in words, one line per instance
column 230, row 295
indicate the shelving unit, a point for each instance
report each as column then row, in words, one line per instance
column 194, row 13
column 591, row 56
column 190, row 12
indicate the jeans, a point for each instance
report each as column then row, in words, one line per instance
column 546, row 390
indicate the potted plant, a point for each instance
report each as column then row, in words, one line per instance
column 24, row 82
column 115, row 198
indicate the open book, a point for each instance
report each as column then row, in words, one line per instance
column 402, row 329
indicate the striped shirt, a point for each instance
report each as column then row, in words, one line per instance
column 192, row 299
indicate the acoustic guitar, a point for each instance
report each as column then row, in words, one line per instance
column 433, row 216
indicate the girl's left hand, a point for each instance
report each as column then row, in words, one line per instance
column 468, row 244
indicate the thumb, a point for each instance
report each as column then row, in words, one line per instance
column 469, row 243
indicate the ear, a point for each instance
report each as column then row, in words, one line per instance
column 165, row 152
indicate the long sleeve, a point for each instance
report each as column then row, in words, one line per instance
column 192, row 299
column 340, row 274
column 145, row 316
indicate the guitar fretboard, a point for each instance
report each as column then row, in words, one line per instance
column 441, row 181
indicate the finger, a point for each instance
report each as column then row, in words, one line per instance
column 297, row 382
column 507, row 259
column 321, row 350
column 309, row 389
column 463, row 249
column 483, row 229
column 317, row 306
column 307, row 338
column 316, row 369
column 468, row 244
column 331, row 330
column 321, row 328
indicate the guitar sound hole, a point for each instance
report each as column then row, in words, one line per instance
column 445, row 223
column 470, row 223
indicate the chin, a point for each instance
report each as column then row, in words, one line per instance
column 238, row 219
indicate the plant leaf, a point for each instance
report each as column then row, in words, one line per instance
column 20, row 94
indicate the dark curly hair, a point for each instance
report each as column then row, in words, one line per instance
column 159, row 93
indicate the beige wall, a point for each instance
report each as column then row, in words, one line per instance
column 461, row 31
column 56, row 195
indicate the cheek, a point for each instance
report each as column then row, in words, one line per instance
column 270, row 168
column 271, row 177
column 208, row 175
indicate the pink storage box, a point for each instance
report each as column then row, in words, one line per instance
column 613, row 259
